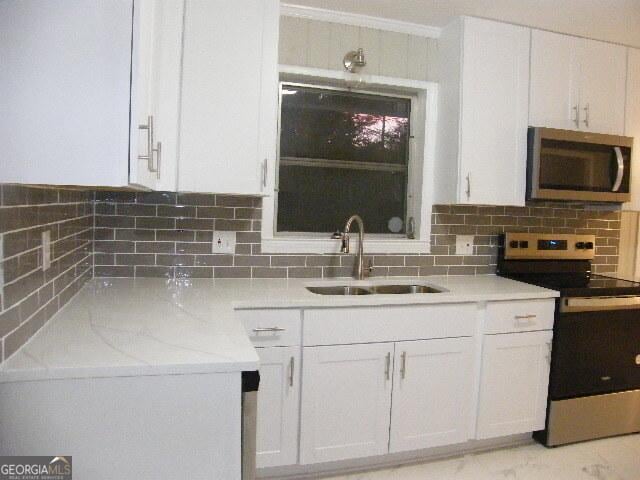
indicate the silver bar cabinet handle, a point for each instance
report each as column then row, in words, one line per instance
column 269, row 329
column 576, row 116
column 586, row 115
column 403, row 365
column 150, row 149
column 387, row 366
column 525, row 317
column 468, row 191
column 292, row 361
column 264, row 172
column 158, row 151
column 149, row 156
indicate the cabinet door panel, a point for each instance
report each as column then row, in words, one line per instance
column 229, row 82
column 346, row 402
column 432, row 384
column 65, row 88
column 554, row 80
column 495, row 95
column 278, row 407
column 632, row 124
column 514, row 383
column 157, row 54
column 603, row 84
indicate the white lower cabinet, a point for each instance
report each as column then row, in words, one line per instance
column 346, row 401
column 514, row 383
column 278, row 406
column 432, row 386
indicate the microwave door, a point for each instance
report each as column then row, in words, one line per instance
column 565, row 165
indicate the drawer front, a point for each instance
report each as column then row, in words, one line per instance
column 519, row 316
column 271, row 328
column 336, row 326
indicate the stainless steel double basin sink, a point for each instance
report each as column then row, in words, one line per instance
column 372, row 289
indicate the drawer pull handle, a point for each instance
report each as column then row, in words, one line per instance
column 524, row 319
column 269, row 329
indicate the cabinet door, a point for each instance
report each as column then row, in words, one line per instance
column 603, row 87
column 65, row 88
column 495, row 95
column 555, row 75
column 229, row 95
column 432, row 384
column 632, row 124
column 514, row 383
column 346, row 402
column 278, row 407
column 155, row 93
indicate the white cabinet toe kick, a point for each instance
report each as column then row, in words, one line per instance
column 340, row 384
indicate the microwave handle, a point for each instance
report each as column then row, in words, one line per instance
column 620, row 175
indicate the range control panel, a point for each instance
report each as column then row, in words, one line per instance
column 549, row 246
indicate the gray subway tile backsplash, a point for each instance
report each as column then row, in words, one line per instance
column 170, row 235
column 29, row 296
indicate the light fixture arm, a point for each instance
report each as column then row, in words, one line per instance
column 354, row 60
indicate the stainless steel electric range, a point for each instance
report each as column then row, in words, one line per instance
column 594, row 384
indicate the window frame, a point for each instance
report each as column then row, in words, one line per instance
column 423, row 97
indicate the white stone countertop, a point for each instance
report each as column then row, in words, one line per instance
column 144, row 326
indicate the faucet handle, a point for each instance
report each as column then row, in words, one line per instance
column 337, row 235
column 345, row 243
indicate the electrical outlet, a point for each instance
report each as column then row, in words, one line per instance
column 46, row 250
column 224, row 242
column 464, row 244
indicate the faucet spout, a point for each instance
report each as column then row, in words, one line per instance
column 345, row 243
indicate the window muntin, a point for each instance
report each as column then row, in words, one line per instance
column 342, row 153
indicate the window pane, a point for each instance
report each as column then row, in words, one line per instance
column 342, row 153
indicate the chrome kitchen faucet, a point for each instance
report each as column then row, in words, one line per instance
column 344, row 236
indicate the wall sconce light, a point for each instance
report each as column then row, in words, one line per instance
column 354, row 61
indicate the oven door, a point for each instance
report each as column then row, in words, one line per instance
column 596, row 347
column 568, row 165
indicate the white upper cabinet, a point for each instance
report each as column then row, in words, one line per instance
column 554, row 76
column 577, row 84
column 155, row 93
column 65, row 87
column 229, row 95
column 483, row 113
column 632, row 125
column 68, row 96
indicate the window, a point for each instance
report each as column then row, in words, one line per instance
column 342, row 153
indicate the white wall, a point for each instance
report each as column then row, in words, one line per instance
column 312, row 43
column 611, row 20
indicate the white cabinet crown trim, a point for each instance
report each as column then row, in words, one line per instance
column 359, row 20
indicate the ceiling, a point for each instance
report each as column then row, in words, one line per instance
column 612, row 20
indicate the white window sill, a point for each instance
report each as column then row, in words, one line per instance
column 320, row 246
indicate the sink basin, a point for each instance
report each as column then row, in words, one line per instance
column 374, row 289
column 400, row 289
column 339, row 290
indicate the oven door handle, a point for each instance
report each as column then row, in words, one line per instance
column 591, row 304
column 620, row 173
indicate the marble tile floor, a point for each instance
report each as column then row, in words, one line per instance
column 608, row 459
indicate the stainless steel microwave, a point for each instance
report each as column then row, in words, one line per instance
column 580, row 166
